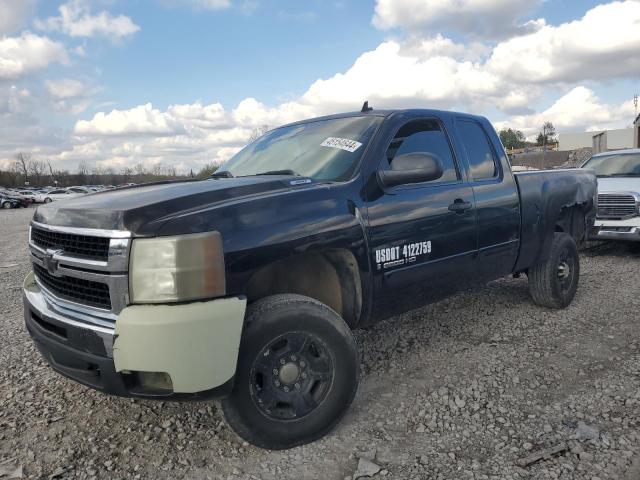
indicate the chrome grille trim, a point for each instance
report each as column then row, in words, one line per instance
column 112, row 272
column 79, row 312
column 618, row 205
column 89, row 232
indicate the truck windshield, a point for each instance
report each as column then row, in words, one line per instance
column 621, row 165
column 323, row 150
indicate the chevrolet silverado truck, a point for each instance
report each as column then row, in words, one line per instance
column 618, row 216
column 245, row 287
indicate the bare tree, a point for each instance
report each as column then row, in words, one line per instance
column 257, row 132
column 36, row 170
column 22, row 161
column 53, row 177
column 171, row 171
column 126, row 174
column 83, row 171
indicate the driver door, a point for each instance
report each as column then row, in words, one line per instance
column 422, row 237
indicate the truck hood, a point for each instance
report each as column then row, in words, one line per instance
column 619, row 184
column 142, row 210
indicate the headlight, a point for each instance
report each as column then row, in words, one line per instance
column 176, row 269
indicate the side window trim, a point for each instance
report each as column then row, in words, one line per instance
column 454, row 156
column 496, row 163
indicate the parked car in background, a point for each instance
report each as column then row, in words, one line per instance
column 28, row 194
column 81, row 190
column 618, row 195
column 61, row 194
column 9, row 202
column 16, row 199
column 39, row 195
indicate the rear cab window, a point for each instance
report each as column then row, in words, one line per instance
column 483, row 164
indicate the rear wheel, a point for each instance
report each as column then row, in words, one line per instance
column 297, row 373
column 47, row 200
column 6, row 205
column 554, row 282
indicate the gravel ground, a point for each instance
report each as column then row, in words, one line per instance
column 458, row 390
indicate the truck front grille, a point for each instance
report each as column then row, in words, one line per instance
column 617, row 206
column 78, row 290
column 96, row 248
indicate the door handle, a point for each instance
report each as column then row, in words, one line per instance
column 460, row 206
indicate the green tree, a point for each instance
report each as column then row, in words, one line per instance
column 547, row 134
column 511, row 138
column 207, row 170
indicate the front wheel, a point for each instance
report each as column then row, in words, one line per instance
column 6, row 205
column 554, row 282
column 297, row 373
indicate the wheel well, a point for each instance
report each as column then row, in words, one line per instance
column 331, row 277
column 571, row 220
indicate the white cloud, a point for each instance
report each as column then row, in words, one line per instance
column 212, row 4
column 604, row 44
column 13, row 14
column 508, row 79
column 201, row 4
column 28, row 53
column 70, row 95
column 66, row 88
column 390, row 76
column 440, row 46
column 76, row 20
column 140, row 120
column 578, row 109
column 485, row 18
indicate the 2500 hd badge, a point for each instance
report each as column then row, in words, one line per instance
column 246, row 287
column 401, row 254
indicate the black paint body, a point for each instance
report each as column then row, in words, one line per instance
column 264, row 219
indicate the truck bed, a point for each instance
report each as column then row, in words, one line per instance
column 544, row 195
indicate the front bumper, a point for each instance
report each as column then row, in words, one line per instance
column 195, row 345
column 627, row 230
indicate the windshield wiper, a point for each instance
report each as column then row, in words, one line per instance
column 632, row 174
column 279, row 172
column 222, row 174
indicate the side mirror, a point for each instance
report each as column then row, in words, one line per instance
column 411, row 168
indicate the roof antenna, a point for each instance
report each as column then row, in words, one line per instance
column 366, row 107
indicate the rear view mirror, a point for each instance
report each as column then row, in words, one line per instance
column 411, row 168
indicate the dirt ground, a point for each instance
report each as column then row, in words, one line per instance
column 457, row 390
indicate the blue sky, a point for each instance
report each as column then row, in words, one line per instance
column 110, row 82
column 273, row 52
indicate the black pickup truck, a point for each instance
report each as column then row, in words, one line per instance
column 246, row 286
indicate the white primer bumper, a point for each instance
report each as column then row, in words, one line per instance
column 197, row 343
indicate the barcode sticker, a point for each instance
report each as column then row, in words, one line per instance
column 342, row 144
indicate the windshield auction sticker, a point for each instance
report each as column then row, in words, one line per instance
column 342, row 144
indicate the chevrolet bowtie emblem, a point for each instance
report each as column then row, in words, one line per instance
column 49, row 262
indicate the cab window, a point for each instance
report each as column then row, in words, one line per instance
column 482, row 160
column 424, row 136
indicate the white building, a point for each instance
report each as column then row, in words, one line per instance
column 602, row 140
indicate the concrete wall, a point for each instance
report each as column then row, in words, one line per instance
column 540, row 160
column 616, row 139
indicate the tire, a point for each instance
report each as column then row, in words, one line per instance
column 6, row 205
column 297, row 373
column 554, row 282
column 47, row 200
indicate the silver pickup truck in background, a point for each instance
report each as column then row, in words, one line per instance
column 618, row 175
